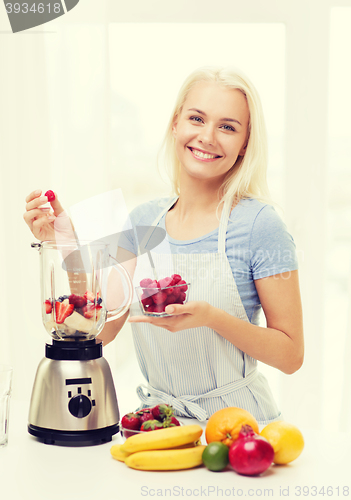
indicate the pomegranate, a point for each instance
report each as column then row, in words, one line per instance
column 250, row 454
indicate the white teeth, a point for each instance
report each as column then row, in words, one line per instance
column 202, row 155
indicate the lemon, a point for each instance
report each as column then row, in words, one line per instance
column 286, row 439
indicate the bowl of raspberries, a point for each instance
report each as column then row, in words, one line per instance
column 154, row 295
column 149, row 419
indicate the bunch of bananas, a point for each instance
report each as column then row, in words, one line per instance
column 174, row 448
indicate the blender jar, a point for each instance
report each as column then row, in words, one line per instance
column 78, row 281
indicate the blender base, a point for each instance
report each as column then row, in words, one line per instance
column 74, row 438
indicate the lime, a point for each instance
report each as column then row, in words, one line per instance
column 215, row 456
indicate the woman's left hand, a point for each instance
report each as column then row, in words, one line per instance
column 184, row 316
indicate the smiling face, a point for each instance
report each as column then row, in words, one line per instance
column 211, row 131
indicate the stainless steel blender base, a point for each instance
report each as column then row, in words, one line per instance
column 73, row 400
column 74, row 438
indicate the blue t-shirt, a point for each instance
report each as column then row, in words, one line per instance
column 257, row 245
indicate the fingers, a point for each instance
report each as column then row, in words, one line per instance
column 32, row 214
column 56, row 205
column 33, row 194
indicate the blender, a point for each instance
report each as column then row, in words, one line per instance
column 73, row 398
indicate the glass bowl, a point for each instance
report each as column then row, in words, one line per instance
column 153, row 301
column 126, row 433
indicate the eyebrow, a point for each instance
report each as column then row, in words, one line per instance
column 222, row 119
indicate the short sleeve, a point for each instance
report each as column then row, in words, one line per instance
column 127, row 239
column 272, row 248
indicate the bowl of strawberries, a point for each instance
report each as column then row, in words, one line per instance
column 154, row 295
column 149, row 419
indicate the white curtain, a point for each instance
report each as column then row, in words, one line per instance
column 66, row 125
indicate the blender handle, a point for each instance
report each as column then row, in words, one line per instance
column 113, row 314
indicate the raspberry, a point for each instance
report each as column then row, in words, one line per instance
column 159, row 297
column 145, row 282
column 175, row 278
column 50, row 194
column 171, row 299
column 184, row 287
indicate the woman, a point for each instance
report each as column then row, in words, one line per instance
column 229, row 243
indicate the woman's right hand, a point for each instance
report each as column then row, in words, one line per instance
column 46, row 223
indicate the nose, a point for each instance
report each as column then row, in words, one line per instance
column 207, row 135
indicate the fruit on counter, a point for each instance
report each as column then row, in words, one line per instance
column 117, row 453
column 151, row 425
column 63, row 310
column 131, row 421
column 50, row 194
column 145, row 415
column 166, row 459
column 286, row 439
column 163, row 438
column 215, row 456
column 162, row 411
column 251, row 454
column 224, row 425
column 170, row 422
column 121, row 455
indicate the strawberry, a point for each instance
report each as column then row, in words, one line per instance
column 161, row 412
column 77, row 300
column 131, row 421
column 50, row 194
column 151, row 425
column 89, row 296
column 91, row 310
column 145, row 415
column 171, row 422
column 63, row 310
column 48, row 306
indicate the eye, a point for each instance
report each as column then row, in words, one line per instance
column 228, row 127
column 197, row 119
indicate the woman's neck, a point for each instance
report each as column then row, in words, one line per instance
column 197, row 197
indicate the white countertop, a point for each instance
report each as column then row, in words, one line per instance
column 30, row 470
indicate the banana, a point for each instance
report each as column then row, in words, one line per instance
column 162, row 438
column 186, row 458
column 118, row 454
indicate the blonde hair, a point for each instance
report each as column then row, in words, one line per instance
column 247, row 177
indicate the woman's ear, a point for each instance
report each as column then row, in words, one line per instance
column 243, row 150
column 174, row 126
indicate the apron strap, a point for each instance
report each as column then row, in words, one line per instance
column 148, row 235
column 223, row 224
column 185, row 405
